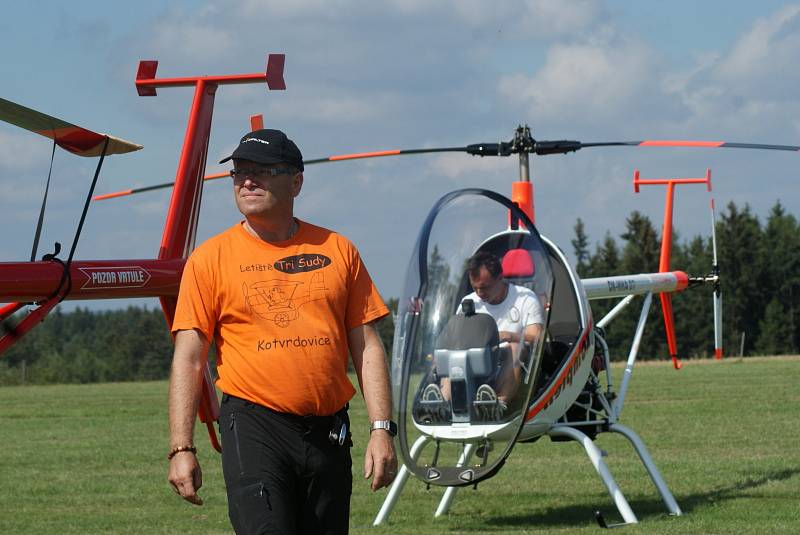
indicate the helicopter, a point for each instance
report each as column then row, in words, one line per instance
column 565, row 390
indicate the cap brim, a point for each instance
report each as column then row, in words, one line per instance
column 254, row 157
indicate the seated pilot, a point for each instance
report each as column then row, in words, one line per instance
column 520, row 319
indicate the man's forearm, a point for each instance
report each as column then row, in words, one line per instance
column 532, row 333
column 185, row 386
column 377, row 391
column 369, row 360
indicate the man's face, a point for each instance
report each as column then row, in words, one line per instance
column 259, row 193
column 489, row 289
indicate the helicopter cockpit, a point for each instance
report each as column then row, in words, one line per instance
column 465, row 361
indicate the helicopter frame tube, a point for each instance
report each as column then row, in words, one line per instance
column 596, row 457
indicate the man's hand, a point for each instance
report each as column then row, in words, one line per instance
column 191, row 348
column 380, row 460
column 186, row 477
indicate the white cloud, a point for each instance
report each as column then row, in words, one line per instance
column 752, row 88
column 772, row 42
column 579, row 79
column 527, row 19
column 277, row 11
column 333, row 107
column 457, row 167
column 604, row 78
column 551, row 18
column 192, row 41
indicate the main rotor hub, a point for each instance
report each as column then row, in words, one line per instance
column 523, row 142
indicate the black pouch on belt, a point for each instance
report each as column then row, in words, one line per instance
column 339, row 434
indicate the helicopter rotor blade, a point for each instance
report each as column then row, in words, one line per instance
column 379, row 153
column 563, row 146
column 575, row 145
column 717, row 288
column 336, row 158
column 133, row 191
column 522, row 142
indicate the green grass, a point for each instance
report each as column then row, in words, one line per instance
column 725, row 435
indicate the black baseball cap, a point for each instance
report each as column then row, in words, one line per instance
column 267, row 146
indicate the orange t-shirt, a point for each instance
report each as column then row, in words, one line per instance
column 280, row 313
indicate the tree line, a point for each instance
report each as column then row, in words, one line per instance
column 760, row 278
column 85, row 346
column 759, row 268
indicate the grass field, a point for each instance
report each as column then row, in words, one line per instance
column 725, row 435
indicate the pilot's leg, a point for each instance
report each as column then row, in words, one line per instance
column 509, row 376
column 444, row 386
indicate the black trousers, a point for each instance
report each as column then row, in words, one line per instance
column 283, row 473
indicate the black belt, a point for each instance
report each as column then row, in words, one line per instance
column 308, row 421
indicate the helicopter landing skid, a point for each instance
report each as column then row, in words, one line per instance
column 601, row 521
column 595, row 455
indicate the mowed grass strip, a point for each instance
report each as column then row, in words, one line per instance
column 725, row 435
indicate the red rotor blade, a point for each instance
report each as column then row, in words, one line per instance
column 68, row 136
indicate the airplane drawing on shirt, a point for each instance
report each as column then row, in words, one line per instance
column 275, row 299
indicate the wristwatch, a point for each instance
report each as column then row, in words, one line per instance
column 387, row 425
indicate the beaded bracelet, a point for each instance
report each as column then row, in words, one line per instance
column 179, row 449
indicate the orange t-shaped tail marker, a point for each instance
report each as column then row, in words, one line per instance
column 666, row 247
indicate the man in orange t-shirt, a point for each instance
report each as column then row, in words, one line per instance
column 286, row 302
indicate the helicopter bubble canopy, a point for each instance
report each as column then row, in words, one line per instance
column 465, row 360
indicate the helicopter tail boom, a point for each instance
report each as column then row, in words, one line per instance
column 643, row 283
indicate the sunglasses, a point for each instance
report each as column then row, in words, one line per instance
column 240, row 175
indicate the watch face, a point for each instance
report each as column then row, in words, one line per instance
column 387, row 425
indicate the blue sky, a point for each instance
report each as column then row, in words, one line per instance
column 405, row 74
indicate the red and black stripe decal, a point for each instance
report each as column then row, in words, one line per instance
column 578, row 351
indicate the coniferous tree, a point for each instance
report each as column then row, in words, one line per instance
column 605, row 262
column 757, row 266
column 642, row 245
column 739, row 235
column 640, row 255
column 775, row 335
column 693, row 308
column 606, row 259
column 781, row 282
column 580, row 246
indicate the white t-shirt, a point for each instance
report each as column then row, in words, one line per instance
column 520, row 308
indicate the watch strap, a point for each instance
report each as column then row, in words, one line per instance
column 387, row 425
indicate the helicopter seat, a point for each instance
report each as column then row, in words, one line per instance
column 519, row 269
column 467, row 355
column 518, row 266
